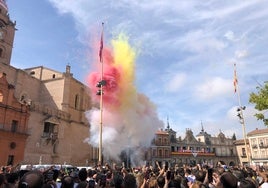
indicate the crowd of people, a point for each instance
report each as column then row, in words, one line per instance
column 199, row 176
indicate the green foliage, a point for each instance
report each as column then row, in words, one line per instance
column 260, row 99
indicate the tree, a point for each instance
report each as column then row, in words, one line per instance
column 261, row 102
column 234, row 137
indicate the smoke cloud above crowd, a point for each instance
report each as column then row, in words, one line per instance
column 129, row 118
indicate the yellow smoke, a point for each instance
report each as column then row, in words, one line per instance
column 124, row 60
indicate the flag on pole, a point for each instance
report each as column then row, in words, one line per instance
column 101, row 44
column 235, row 79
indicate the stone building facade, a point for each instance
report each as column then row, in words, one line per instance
column 258, row 142
column 243, row 151
column 200, row 149
column 57, row 102
column 57, row 125
column 7, row 32
column 14, row 117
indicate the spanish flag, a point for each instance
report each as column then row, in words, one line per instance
column 101, row 44
column 235, row 79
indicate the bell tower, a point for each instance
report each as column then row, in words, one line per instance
column 7, row 33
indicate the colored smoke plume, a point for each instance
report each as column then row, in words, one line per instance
column 129, row 118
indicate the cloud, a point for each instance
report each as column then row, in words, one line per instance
column 213, row 88
column 230, row 35
column 199, row 41
column 241, row 54
column 176, row 82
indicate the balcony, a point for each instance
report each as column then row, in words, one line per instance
column 260, row 157
column 162, row 156
column 254, row 146
column 53, row 137
column 7, row 128
column 190, row 153
column 161, row 143
column 263, row 146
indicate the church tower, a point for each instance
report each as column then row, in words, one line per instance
column 7, row 33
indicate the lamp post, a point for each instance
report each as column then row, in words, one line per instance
column 100, row 92
column 240, row 114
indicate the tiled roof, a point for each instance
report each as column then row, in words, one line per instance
column 161, row 132
column 258, row 132
column 240, row 142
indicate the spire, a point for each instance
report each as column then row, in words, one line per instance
column 3, row 4
column 168, row 124
column 202, row 128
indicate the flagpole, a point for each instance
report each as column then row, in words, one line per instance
column 101, row 98
column 240, row 112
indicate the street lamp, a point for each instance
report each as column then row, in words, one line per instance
column 100, row 85
column 240, row 114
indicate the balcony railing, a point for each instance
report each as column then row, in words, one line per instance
column 158, row 143
column 263, row 146
column 260, row 157
column 255, row 146
column 188, row 153
column 162, row 156
column 50, row 136
column 7, row 128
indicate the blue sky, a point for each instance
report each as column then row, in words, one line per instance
column 186, row 51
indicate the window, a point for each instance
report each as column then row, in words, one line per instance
column 263, row 154
column 76, row 101
column 166, row 153
column 173, row 139
column 12, row 145
column 53, row 76
column 14, row 126
column 261, row 142
column 159, row 141
column 243, row 151
column 1, row 97
column 160, row 153
column 154, row 152
column 10, row 160
column 1, row 52
column 253, row 141
column 48, row 129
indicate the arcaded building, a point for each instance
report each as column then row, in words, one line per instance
column 54, row 126
column 199, row 149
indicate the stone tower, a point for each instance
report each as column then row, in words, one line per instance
column 7, row 33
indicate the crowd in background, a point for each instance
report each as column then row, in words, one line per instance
column 199, row 176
